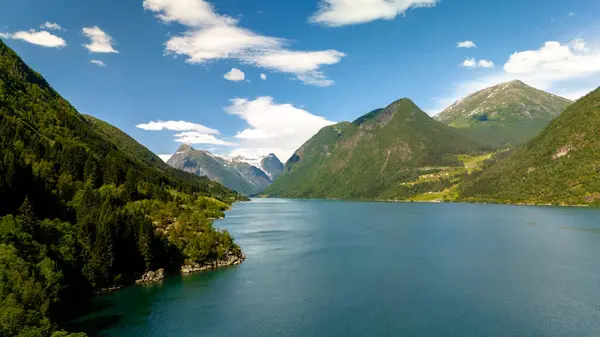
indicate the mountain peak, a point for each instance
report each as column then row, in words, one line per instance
column 185, row 148
column 404, row 107
column 516, row 82
column 506, row 114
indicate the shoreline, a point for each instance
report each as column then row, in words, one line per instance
column 437, row 202
column 155, row 276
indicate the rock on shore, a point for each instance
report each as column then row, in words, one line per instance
column 231, row 260
column 152, row 276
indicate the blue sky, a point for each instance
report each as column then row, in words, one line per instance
column 160, row 67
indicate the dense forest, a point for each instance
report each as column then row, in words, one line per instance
column 560, row 166
column 83, row 207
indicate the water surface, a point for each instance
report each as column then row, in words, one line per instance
column 332, row 268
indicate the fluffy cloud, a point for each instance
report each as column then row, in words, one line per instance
column 176, row 126
column 263, row 77
column 337, row 13
column 280, row 128
column 579, row 45
column 472, row 63
column 51, row 26
column 192, row 133
column 100, row 42
column 98, row 63
column 570, row 70
column 211, row 36
column 42, row 38
column 235, row 75
column 469, row 63
column 194, row 137
column 4, row 36
column 554, row 62
column 466, row 44
column 485, row 64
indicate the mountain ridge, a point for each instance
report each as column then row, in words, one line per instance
column 235, row 172
column 505, row 114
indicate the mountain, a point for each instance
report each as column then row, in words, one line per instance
column 507, row 114
column 560, row 166
column 374, row 157
column 272, row 166
column 84, row 207
column 125, row 142
column 233, row 172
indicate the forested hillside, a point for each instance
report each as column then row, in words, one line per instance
column 560, row 166
column 83, row 207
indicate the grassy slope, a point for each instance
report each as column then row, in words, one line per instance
column 506, row 114
column 371, row 157
column 560, row 166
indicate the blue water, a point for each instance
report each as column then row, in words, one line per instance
column 331, row 268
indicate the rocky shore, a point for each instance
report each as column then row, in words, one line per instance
column 231, row 260
column 152, row 276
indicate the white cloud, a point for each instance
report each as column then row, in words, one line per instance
column 41, row 38
column 281, row 128
column 469, row 63
column 98, row 63
column 263, row 77
column 51, row 26
column 192, row 133
column 579, row 45
column 165, row 157
column 554, row 62
column 100, row 41
column 466, row 44
column 571, row 14
column 235, row 75
column 568, row 70
column 337, row 13
column 252, row 134
column 485, row 64
column 194, row 137
column 472, row 63
column 4, row 36
column 211, row 36
column 176, row 126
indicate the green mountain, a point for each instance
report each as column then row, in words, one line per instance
column 126, row 143
column 560, row 166
column 83, row 207
column 506, row 114
column 231, row 172
column 374, row 157
column 272, row 166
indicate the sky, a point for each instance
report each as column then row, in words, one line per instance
column 250, row 77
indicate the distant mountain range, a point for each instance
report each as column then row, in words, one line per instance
column 507, row 114
column 400, row 153
column 248, row 176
